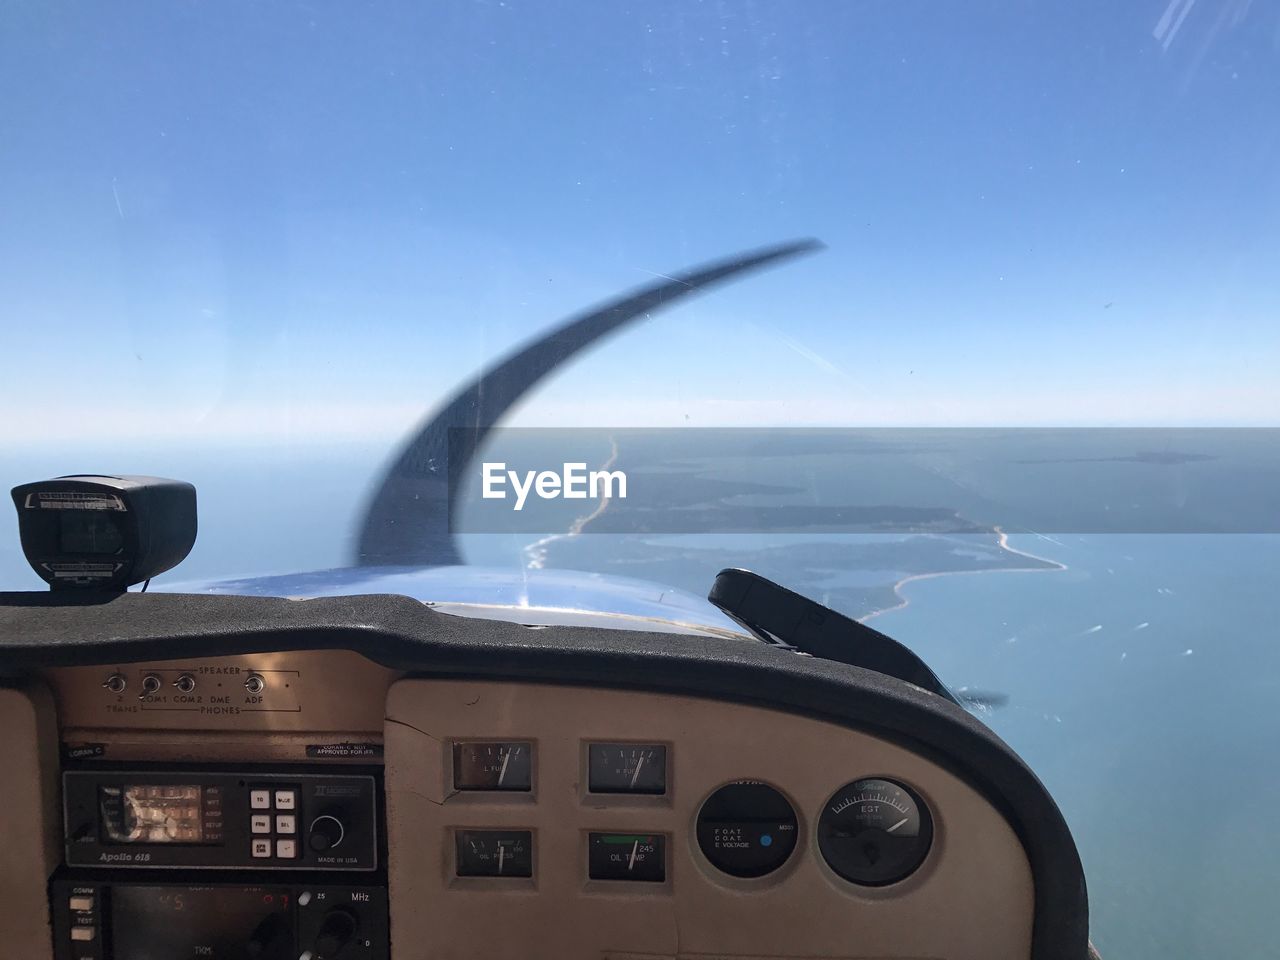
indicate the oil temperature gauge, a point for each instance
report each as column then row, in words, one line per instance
column 494, row 853
column 627, row 856
column 492, row 765
column 627, row 768
column 875, row 832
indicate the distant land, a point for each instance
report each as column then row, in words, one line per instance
column 720, row 517
column 935, row 481
column 860, row 577
column 1156, row 457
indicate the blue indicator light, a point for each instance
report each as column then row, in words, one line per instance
column 766, row 839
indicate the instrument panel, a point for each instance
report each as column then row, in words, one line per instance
column 721, row 829
column 514, row 819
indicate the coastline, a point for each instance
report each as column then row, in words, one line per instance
column 1003, row 543
column 536, row 553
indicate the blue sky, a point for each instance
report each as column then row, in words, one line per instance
column 305, row 223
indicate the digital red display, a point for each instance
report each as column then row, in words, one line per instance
column 213, row 923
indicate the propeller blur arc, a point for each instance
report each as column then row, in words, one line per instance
column 407, row 520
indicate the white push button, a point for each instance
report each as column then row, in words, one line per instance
column 260, row 823
column 82, row 933
column 262, row 848
column 80, row 903
column 260, row 799
column 284, row 799
column 285, row 823
column 286, row 849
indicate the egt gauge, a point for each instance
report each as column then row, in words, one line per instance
column 875, row 832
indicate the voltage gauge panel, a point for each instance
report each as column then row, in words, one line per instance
column 747, row 829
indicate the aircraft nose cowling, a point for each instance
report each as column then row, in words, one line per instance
column 532, row 597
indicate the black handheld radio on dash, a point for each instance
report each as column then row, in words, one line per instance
column 102, row 532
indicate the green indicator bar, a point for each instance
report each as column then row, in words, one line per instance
column 620, row 838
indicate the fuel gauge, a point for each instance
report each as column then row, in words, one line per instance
column 627, row 768
column 492, row 765
column 494, row 853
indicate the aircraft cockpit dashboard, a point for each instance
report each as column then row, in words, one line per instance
column 366, row 776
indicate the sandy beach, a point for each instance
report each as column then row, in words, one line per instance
column 1002, row 542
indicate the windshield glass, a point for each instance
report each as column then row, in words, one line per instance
column 261, row 247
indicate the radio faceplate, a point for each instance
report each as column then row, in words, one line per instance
column 143, row 920
column 219, row 820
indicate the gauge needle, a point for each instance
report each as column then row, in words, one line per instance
column 502, row 853
column 503, row 772
column 639, row 764
column 631, row 864
column 898, row 824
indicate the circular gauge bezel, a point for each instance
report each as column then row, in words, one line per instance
column 925, row 837
column 735, row 878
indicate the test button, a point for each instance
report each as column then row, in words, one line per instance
column 81, row 932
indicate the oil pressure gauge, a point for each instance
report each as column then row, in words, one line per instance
column 875, row 832
column 494, row 853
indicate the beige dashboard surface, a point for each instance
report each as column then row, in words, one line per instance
column 972, row 898
column 29, row 842
column 307, row 697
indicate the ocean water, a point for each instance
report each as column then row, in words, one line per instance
column 1143, row 684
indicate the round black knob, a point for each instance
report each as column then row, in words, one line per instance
column 267, row 936
column 326, row 832
column 337, row 929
